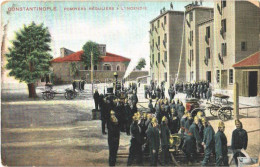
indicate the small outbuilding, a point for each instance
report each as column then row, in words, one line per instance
column 247, row 73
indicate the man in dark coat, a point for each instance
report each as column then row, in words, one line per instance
column 120, row 114
column 221, row 146
column 154, row 142
column 96, row 99
column 239, row 140
column 129, row 115
column 191, row 141
column 102, row 108
column 146, row 92
column 113, row 138
column 180, row 110
column 134, row 98
column 174, row 122
column 158, row 92
column 135, row 149
column 150, row 106
column 208, row 140
column 165, row 136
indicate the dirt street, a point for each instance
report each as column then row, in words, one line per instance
column 60, row 132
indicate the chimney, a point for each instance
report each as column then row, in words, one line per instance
column 102, row 49
column 65, row 52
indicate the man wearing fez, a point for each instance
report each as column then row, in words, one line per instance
column 113, row 138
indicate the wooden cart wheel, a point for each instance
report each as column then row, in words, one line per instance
column 44, row 96
column 213, row 112
column 225, row 113
column 67, row 95
column 52, row 95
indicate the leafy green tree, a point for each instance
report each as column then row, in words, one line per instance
column 74, row 69
column 29, row 58
column 89, row 47
column 141, row 64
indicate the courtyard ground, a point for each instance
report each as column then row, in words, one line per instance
column 61, row 132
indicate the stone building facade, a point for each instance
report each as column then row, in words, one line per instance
column 236, row 33
column 206, row 49
column 166, row 32
column 104, row 70
column 194, row 14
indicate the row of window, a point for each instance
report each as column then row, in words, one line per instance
column 159, row 40
column 159, row 57
column 230, row 76
column 106, row 67
column 158, row 23
column 165, row 76
column 208, row 76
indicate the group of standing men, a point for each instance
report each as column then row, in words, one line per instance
column 151, row 131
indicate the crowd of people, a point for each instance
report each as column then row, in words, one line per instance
column 200, row 90
column 151, row 130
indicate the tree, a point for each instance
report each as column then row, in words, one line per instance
column 74, row 69
column 89, row 47
column 141, row 64
column 28, row 58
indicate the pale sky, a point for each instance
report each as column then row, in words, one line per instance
column 125, row 32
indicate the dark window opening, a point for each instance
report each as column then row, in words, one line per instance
column 243, row 46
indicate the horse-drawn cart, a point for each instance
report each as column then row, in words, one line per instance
column 220, row 109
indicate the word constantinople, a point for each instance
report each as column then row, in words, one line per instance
column 20, row 9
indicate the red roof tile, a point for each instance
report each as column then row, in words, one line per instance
column 251, row 61
column 110, row 57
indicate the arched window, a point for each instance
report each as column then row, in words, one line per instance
column 95, row 67
column 118, row 68
column 107, row 67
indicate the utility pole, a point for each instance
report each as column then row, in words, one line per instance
column 92, row 69
column 236, row 100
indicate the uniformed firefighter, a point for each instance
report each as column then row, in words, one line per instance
column 135, row 150
column 188, row 123
column 208, row 141
column 129, row 115
column 154, row 141
column 150, row 106
column 239, row 140
column 167, row 109
column 201, row 130
column 174, row 122
column 120, row 114
column 209, row 94
column 182, row 122
column 180, row 110
column 165, row 136
column 96, row 99
column 113, row 138
column 192, row 140
column 143, row 127
column 104, row 115
column 146, row 92
column 134, row 98
column 221, row 146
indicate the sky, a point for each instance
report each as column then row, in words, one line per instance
column 125, row 32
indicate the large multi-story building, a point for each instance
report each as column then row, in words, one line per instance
column 194, row 14
column 166, row 33
column 206, row 49
column 236, row 33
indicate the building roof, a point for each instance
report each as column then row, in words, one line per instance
column 208, row 20
column 251, row 61
column 164, row 13
column 110, row 57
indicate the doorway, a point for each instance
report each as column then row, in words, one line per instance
column 223, row 79
column 252, row 83
column 208, row 76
